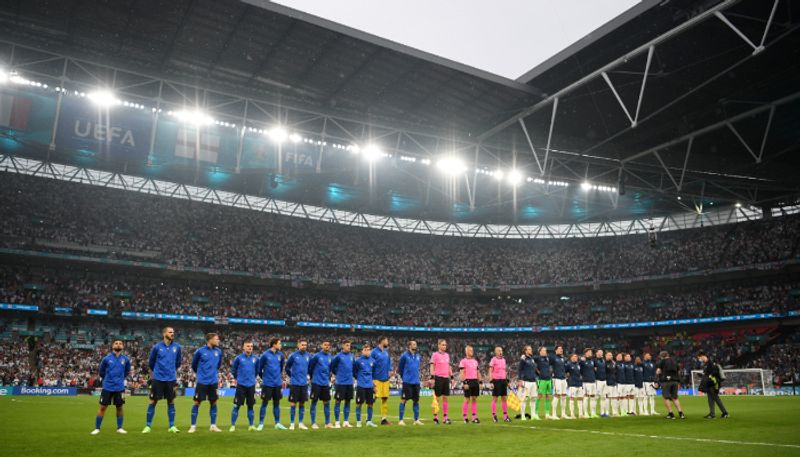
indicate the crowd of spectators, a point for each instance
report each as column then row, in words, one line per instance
column 78, row 291
column 40, row 213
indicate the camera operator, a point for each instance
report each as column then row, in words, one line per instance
column 667, row 373
column 710, row 384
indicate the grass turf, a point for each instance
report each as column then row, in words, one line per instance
column 60, row 426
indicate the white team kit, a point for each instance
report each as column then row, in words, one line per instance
column 560, row 386
column 576, row 392
column 529, row 390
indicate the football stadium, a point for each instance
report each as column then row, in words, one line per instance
column 242, row 226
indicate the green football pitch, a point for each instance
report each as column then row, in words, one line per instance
column 60, row 426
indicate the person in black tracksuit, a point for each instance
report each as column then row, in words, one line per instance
column 710, row 385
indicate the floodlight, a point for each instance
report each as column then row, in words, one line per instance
column 103, row 98
column 451, row 165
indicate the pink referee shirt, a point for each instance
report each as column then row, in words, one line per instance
column 470, row 367
column 498, row 365
column 441, row 364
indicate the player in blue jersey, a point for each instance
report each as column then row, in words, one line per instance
column 383, row 365
column 575, row 383
column 622, row 388
column 611, row 385
column 601, row 381
column 629, row 399
column 342, row 371
column 364, row 372
column 408, row 369
column 319, row 369
column 114, row 368
column 297, row 371
column 589, row 382
column 638, row 385
column 164, row 361
column 526, row 384
column 650, row 383
column 544, row 383
column 560, row 388
column 205, row 364
column 270, row 370
column 243, row 370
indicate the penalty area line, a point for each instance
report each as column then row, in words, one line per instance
column 660, row 437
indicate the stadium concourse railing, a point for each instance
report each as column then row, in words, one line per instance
column 411, row 328
column 300, row 280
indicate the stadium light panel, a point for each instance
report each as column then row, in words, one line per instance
column 514, row 177
column 195, row 117
column 586, row 186
column 498, row 174
column 451, row 165
column 3, row 77
column 278, row 134
column 103, row 98
column 372, row 152
column 295, row 138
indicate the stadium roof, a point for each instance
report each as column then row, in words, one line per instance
column 710, row 88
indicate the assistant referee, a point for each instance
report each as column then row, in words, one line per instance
column 667, row 373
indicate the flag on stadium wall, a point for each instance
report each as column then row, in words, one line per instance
column 14, row 111
column 513, row 400
column 190, row 141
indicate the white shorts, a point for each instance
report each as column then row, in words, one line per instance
column 560, row 386
column 575, row 392
column 650, row 389
column 611, row 391
column 624, row 390
column 601, row 388
column 638, row 391
column 528, row 390
column 590, row 388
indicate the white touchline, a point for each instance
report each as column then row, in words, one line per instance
column 660, row 437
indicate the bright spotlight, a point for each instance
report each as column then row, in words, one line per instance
column 295, row 138
column 195, row 117
column 586, row 186
column 452, row 166
column 372, row 152
column 278, row 134
column 738, row 205
column 514, row 177
column 498, row 174
column 3, row 77
column 103, row 98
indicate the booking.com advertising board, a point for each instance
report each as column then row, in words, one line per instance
column 230, row 392
column 38, row 391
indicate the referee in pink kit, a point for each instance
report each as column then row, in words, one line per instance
column 441, row 375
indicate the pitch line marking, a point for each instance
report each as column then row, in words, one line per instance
column 667, row 437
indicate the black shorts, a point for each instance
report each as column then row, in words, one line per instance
column 245, row 394
column 162, row 390
column 108, row 397
column 321, row 393
column 298, row 394
column 271, row 394
column 203, row 392
column 472, row 388
column 344, row 392
column 410, row 392
column 441, row 386
column 365, row 395
column 669, row 390
column 500, row 388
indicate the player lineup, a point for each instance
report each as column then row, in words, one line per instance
column 592, row 384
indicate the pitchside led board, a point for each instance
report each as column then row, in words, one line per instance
column 90, row 135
